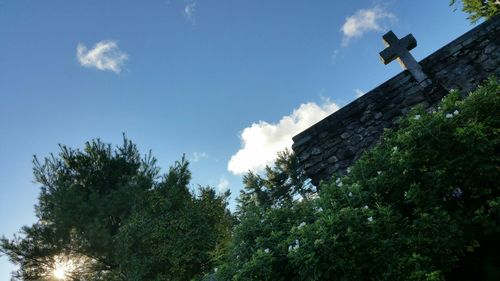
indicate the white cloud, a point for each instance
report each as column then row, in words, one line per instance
column 104, row 56
column 190, row 12
column 335, row 55
column 363, row 21
column 359, row 92
column 223, row 184
column 197, row 156
column 262, row 141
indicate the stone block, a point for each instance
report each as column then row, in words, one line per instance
column 316, row 151
column 302, row 140
column 332, row 159
column 413, row 99
column 345, row 135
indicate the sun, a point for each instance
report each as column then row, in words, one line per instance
column 60, row 272
column 62, row 268
column 68, row 266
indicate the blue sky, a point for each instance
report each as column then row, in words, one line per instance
column 227, row 82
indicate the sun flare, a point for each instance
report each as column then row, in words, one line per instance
column 60, row 272
column 61, row 268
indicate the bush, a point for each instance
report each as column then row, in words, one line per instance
column 423, row 204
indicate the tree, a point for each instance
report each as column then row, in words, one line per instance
column 105, row 214
column 423, row 204
column 264, row 210
column 267, row 208
column 281, row 184
column 478, row 9
column 174, row 235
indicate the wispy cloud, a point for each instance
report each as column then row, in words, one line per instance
column 363, row 21
column 359, row 92
column 335, row 55
column 223, row 185
column 104, row 56
column 198, row 156
column 190, row 12
column 262, row 140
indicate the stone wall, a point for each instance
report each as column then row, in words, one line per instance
column 335, row 142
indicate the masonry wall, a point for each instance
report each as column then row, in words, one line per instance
column 334, row 143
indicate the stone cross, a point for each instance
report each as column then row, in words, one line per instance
column 399, row 49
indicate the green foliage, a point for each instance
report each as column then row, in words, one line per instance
column 267, row 209
column 282, row 183
column 173, row 236
column 422, row 205
column 478, row 9
column 109, row 214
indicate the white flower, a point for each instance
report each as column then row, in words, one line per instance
column 338, row 180
column 417, row 117
column 366, row 207
column 319, row 209
column 449, row 115
column 457, row 192
column 455, row 112
column 215, row 269
column 350, row 194
column 406, row 194
column 379, row 172
column 340, row 184
column 370, row 219
column 266, row 250
column 394, row 150
column 302, row 224
column 294, row 247
column 348, row 170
